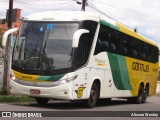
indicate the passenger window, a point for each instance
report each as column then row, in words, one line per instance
column 85, row 43
column 113, row 47
column 103, row 40
column 134, row 53
column 125, row 50
column 120, row 43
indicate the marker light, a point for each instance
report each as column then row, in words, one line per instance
column 12, row 77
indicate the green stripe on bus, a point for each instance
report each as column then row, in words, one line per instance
column 51, row 78
column 109, row 25
column 119, row 71
column 124, row 72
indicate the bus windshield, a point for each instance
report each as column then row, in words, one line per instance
column 44, row 45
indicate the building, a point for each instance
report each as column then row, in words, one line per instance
column 16, row 22
column 16, row 14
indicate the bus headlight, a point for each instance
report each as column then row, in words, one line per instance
column 68, row 80
column 12, row 77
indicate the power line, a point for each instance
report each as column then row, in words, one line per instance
column 135, row 11
column 95, row 8
column 64, row 6
column 52, row 0
column 39, row 4
column 2, row 14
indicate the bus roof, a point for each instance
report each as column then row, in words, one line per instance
column 130, row 32
column 63, row 16
column 82, row 15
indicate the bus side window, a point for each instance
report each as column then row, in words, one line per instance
column 85, row 43
column 144, row 51
column 105, row 45
column 125, row 50
column 154, row 54
column 113, row 47
column 98, row 46
column 82, row 52
column 124, row 46
column 134, row 53
column 135, row 49
column 102, row 44
column 115, row 42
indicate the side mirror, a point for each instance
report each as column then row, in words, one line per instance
column 6, row 34
column 77, row 35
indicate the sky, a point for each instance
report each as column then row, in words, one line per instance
column 143, row 14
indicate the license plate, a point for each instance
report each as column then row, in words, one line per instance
column 34, row 91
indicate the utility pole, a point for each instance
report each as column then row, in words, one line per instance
column 7, row 53
column 10, row 12
column 83, row 5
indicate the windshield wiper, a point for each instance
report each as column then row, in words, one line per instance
column 45, row 63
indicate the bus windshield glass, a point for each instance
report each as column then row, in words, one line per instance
column 44, row 45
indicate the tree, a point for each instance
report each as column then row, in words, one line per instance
column 3, row 28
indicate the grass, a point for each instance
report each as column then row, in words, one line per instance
column 11, row 98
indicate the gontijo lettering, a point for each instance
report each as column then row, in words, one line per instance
column 140, row 67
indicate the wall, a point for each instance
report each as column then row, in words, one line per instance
column 1, row 68
column 158, row 87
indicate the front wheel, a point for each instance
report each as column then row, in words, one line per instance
column 42, row 101
column 91, row 101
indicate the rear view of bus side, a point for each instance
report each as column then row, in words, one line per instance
column 85, row 57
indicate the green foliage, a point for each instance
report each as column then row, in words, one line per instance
column 4, row 91
column 0, row 38
column 2, row 21
column 11, row 98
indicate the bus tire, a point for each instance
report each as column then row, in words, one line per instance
column 94, row 93
column 145, row 94
column 42, row 101
column 139, row 98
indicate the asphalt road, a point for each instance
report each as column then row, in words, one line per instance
column 68, row 110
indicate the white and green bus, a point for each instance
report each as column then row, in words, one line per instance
column 75, row 55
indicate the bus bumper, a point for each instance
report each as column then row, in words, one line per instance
column 62, row 92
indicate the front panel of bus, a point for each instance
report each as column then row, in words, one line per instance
column 44, row 60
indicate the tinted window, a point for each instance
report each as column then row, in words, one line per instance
column 111, row 40
column 85, row 43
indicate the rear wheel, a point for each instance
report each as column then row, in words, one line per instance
column 42, row 101
column 145, row 94
column 140, row 96
column 94, row 93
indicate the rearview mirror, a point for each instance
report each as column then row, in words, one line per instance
column 77, row 36
column 6, row 34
